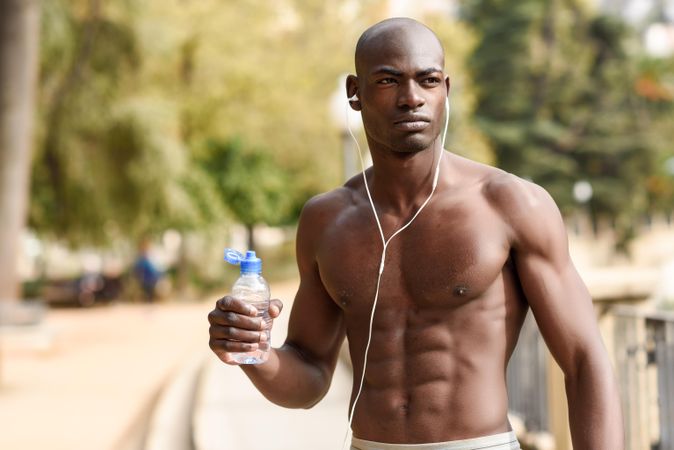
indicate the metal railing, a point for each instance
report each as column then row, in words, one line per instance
column 644, row 357
column 526, row 378
column 643, row 352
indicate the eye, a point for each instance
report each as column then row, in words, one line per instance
column 431, row 81
column 386, row 81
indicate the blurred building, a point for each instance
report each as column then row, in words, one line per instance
column 421, row 8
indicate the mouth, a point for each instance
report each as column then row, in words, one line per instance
column 412, row 123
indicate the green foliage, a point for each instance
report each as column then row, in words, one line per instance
column 254, row 70
column 110, row 162
column 157, row 114
column 463, row 136
column 248, row 182
column 558, row 100
column 130, row 91
column 78, row 86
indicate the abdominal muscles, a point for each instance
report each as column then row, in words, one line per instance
column 433, row 377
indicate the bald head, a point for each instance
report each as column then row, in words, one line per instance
column 400, row 79
column 396, row 34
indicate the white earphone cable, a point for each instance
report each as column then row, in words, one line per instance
column 385, row 243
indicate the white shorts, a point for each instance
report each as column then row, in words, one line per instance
column 501, row 441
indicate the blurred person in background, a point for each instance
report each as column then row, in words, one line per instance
column 453, row 288
column 145, row 272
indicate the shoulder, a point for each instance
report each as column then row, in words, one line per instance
column 326, row 206
column 324, row 210
column 319, row 217
column 530, row 213
column 514, row 196
column 504, row 191
column 329, row 205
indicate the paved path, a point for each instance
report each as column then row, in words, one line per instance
column 91, row 388
column 231, row 414
column 89, row 379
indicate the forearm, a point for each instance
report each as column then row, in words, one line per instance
column 290, row 379
column 595, row 414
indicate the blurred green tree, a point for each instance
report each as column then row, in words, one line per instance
column 557, row 99
column 79, row 174
column 132, row 92
column 267, row 79
column 249, row 184
column 655, row 83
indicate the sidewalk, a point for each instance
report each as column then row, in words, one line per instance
column 230, row 414
column 90, row 378
column 93, row 383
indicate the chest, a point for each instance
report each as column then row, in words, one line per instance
column 449, row 255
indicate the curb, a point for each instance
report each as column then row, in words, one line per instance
column 170, row 424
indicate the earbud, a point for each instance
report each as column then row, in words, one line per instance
column 354, row 98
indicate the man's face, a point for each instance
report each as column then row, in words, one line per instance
column 402, row 89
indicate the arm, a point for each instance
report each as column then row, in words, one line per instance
column 298, row 374
column 565, row 316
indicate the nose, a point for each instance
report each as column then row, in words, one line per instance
column 409, row 96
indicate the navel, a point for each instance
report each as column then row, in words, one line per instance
column 405, row 405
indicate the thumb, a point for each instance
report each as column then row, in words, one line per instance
column 275, row 307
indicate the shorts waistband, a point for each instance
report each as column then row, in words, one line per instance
column 501, row 441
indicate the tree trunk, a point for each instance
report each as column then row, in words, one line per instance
column 182, row 268
column 250, row 229
column 19, row 42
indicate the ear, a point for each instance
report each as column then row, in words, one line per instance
column 351, row 91
column 447, row 84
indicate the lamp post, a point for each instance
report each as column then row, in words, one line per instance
column 345, row 118
column 582, row 193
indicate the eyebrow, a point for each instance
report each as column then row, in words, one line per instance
column 391, row 71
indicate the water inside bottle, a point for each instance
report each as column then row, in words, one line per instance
column 262, row 353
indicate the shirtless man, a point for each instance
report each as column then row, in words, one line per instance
column 455, row 289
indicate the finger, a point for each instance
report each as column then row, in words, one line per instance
column 275, row 308
column 229, row 303
column 232, row 319
column 227, row 358
column 266, row 326
column 234, row 334
column 220, row 345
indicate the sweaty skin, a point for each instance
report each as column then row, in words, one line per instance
column 456, row 286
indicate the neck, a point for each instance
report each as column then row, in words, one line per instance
column 402, row 181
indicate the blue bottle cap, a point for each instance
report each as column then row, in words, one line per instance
column 249, row 263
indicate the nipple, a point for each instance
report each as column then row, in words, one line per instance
column 460, row 291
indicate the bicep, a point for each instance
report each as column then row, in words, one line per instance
column 316, row 329
column 559, row 299
column 562, row 308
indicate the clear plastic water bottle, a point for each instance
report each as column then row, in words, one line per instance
column 254, row 290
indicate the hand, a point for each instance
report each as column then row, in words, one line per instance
column 235, row 327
